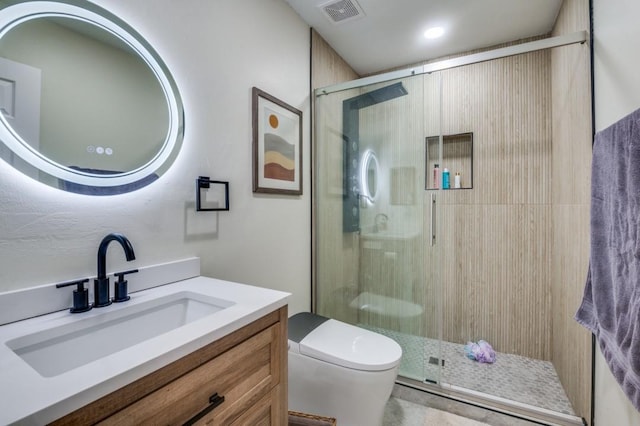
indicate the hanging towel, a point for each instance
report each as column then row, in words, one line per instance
column 610, row 307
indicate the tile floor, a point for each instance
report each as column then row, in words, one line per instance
column 411, row 407
column 513, row 377
column 399, row 412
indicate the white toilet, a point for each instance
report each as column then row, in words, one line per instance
column 339, row 370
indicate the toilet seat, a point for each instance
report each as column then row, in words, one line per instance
column 348, row 346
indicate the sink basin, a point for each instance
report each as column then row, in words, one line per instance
column 57, row 350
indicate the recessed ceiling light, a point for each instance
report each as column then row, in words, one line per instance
column 434, row 32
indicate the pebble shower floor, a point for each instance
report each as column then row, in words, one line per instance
column 517, row 378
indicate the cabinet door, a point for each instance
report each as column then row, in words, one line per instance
column 242, row 376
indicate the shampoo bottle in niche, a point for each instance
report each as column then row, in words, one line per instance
column 456, row 181
column 445, row 179
column 436, row 172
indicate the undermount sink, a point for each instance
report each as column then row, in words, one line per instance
column 57, row 350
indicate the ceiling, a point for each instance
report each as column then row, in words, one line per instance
column 385, row 34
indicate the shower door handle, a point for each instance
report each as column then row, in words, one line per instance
column 433, row 219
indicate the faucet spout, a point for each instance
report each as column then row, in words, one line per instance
column 102, row 251
column 101, row 283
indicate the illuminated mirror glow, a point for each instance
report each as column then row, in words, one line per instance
column 105, row 121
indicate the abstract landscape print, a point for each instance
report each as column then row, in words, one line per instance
column 277, row 145
column 279, row 153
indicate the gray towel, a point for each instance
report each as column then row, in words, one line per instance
column 611, row 304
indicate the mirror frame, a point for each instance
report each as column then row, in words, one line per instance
column 368, row 159
column 19, row 11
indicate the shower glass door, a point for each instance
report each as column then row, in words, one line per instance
column 375, row 265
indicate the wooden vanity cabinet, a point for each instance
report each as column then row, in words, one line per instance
column 240, row 379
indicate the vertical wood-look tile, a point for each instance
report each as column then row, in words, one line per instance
column 571, row 102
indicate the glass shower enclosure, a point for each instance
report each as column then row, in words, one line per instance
column 437, row 267
column 375, row 223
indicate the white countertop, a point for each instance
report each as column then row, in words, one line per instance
column 30, row 399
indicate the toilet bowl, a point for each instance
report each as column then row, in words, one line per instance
column 339, row 370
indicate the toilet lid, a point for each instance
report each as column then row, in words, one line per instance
column 353, row 347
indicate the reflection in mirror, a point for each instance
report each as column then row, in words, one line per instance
column 403, row 183
column 100, row 109
column 369, row 177
column 108, row 98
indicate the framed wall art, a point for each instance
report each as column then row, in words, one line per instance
column 277, row 145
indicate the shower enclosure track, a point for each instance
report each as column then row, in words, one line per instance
column 503, row 52
column 514, row 408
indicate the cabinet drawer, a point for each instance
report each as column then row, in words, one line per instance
column 265, row 412
column 243, row 376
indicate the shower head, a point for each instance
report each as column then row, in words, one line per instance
column 377, row 96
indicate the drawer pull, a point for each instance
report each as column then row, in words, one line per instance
column 214, row 401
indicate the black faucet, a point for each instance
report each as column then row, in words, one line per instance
column 101, row 284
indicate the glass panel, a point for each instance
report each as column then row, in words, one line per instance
column 373, row 217
column 432, row 287
column 495, row 260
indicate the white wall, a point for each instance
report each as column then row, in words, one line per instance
column 616, row 93
column 217, row 51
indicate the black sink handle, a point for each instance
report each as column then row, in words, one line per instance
column 121, row 275
column 80, row 296
column 120, row 286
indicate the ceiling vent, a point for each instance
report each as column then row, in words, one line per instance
column 341, row 11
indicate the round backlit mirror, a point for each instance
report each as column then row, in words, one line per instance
column 369, row 177
column 86, row 104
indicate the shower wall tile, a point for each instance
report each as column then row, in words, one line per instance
column 494, row 243
column 572, row 139
column 393, row 267
column 571, row 342
column 327, row 66
column 495, row 275
column 505, row 103
column 339, row 274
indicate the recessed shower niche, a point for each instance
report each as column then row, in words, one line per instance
column 457, row 158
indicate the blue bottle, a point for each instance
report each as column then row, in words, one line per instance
column 445, row 178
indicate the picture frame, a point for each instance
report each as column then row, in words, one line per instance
column 277, row 145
